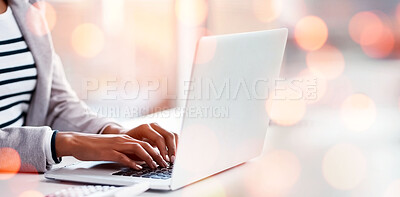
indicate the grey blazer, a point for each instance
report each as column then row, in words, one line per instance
column 54, row 104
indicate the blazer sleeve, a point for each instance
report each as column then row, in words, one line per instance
column 66, row 111
column 30, row 144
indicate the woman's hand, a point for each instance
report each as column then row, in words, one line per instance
column 120, row 148
column 165, row 141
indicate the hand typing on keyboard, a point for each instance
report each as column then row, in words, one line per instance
column 148, row 142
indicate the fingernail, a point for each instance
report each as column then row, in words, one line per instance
column 166, row 165
column 154, row 164
column 173, row 158
column 167, row 158
column 139, row 167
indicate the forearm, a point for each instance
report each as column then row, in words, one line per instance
column 74, row 143
column 67, row 142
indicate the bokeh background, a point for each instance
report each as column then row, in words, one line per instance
column 152, row 43
column 342, row 143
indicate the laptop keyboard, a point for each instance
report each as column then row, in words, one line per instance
column 146, row 172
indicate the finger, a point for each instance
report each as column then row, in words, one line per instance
column 136, row 149
column 124, row 160
column 176, row 142
column 158, row 139
column 176, row 139
column 154, row 154
column 169, row 139
column 150, row 142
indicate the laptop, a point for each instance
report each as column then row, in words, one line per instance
column 224, row 122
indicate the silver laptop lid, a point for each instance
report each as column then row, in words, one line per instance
column 225, row 119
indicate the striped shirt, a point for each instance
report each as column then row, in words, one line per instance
column 18, row 73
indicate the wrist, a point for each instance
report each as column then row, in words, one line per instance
column 64, row 144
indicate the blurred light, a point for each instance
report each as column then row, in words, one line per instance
column 365, row 28
column 87, row 40
column 113, row 15
column 358, row 112
column 267, row 10
column 382, row 47
column 153, row 37
column 197, row 150
column 313, row 87
column 327, row 62
column 311, row 33
column 344, row 166
column 191, row 12
column 292, row 13
column 273, row 175
column 31, row 193
column 368, row 30
column 286, row 105
column 393, row 190
column 10, row 163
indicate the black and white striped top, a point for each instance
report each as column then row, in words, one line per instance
column 18, row 73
